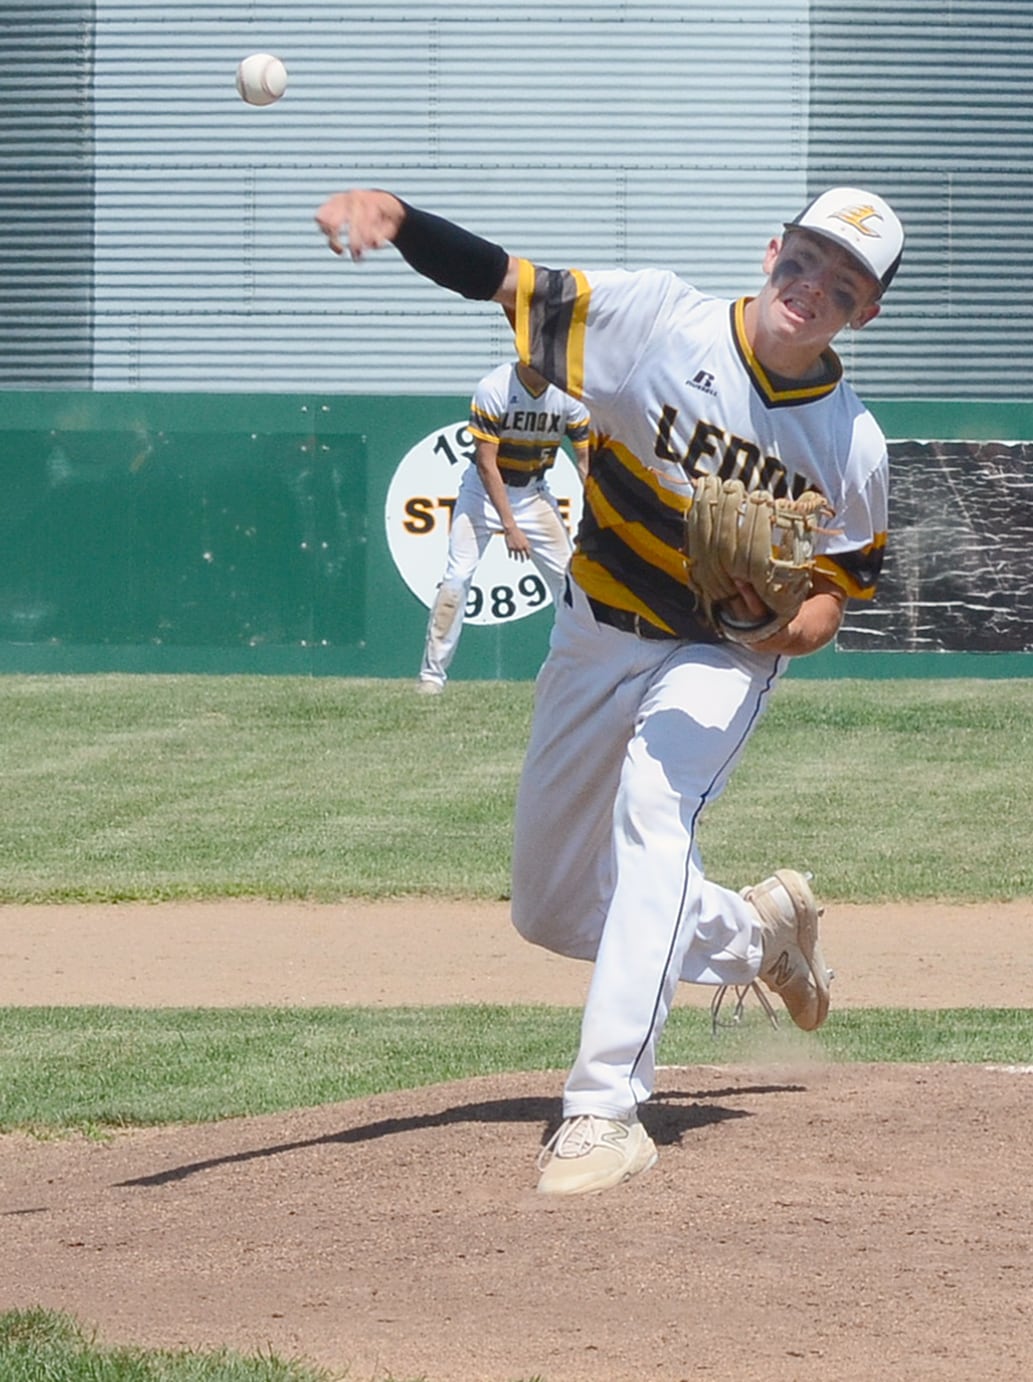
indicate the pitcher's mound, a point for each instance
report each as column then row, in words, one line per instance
column 803, row 1222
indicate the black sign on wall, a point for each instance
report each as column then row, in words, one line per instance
column 958, row 575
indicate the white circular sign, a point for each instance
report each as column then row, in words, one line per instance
column 420, row 500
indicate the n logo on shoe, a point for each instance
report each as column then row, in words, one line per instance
column 616, row 1134
column 781, row 971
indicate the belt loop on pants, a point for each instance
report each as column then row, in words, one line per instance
column 628, row 622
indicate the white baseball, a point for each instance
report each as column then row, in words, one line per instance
column 261, row 79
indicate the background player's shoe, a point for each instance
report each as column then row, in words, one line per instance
column 792, row 965
column 588, row 1153
column 426, row 687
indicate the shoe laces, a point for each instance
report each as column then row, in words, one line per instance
column 575, row 1137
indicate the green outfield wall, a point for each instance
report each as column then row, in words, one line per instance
column 295, row 535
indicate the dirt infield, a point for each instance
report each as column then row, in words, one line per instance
column 804, row 1221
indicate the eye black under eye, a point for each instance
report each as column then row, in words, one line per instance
column 790, row 265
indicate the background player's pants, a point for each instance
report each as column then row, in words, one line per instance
column 631, row 739
column 474, row 522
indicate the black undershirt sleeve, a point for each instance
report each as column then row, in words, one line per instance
column 451, row 256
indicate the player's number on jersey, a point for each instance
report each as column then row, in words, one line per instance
column 503, row 601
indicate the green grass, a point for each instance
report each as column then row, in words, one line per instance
column 102, row 1068
column 95, row 1070
column 121, row 787
column 887, row 791
column 160, row 787
column 45, row 1346
column 50, row 1346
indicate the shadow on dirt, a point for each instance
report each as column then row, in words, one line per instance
column 665, row 1117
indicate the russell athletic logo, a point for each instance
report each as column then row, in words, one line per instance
column 704, row 381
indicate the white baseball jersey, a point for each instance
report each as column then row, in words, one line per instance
column 527, row 427
column 634, row 734
column 675, row 392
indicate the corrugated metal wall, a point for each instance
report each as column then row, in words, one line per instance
column 600, row 134
column 572, row 135
column 933, row 102
column 46, row 195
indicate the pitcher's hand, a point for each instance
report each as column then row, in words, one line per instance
column 360, row 220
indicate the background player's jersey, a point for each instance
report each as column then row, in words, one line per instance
column 528, row 427
column 675, row 392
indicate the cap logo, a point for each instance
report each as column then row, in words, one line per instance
column 857, row 217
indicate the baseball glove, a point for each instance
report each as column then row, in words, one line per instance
column 733, row 534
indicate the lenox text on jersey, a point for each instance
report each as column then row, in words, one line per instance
column 532, row 422
column 736, row 458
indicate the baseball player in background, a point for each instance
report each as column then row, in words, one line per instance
column 518, row 421
column 643, row 709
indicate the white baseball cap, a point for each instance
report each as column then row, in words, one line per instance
column 862, row 223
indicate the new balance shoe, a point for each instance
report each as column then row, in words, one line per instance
column 792, row 965
column 589, row 1153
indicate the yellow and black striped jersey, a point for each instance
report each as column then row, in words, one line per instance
column 675, row 392
column 527, row 427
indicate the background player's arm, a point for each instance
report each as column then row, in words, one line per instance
column 582, row 459
column 486, row 459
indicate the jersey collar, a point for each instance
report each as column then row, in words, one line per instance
column 776, row 391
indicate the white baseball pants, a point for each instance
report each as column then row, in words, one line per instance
column 631, row 739
column 475, row 521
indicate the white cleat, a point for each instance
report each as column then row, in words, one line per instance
column 588, row 1154
column 792, row 965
